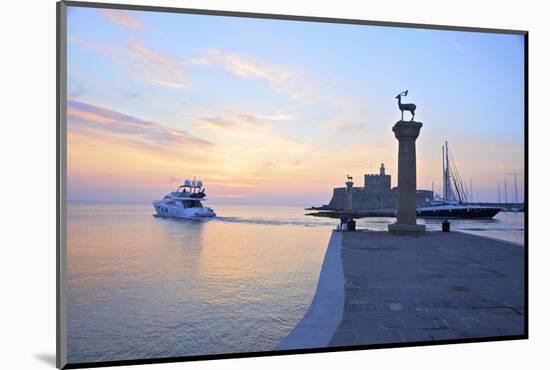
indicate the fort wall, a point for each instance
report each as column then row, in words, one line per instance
column 365, row 199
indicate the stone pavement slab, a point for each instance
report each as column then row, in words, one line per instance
column 432, row 286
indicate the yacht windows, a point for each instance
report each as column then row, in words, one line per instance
column 191, row 204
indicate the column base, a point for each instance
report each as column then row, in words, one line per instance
column 406, row 229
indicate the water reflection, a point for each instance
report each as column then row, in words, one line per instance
column 141, row 286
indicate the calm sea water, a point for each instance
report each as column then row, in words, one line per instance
column 141, row 286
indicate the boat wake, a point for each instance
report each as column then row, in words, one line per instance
column 274, row 222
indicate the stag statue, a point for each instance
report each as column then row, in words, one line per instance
column 405, row 107
column 349, row 177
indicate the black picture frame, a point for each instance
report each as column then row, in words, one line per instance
column 61, row 196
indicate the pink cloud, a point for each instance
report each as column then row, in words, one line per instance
column 86, row 116
column 125, row 19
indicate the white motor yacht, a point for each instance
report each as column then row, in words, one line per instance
column 185, row 202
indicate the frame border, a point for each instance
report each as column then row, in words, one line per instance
column 61, row 190
column 61, row 173
column 287, row 17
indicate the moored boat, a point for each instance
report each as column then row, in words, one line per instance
column 450, row 209
column 454, row 203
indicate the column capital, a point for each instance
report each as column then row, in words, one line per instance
column 407, row 130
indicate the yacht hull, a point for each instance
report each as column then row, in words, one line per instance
column 457, row 212
column 165, row 210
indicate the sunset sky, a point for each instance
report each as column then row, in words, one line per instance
column 278, row 112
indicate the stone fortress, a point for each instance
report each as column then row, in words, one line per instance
column 376, row 194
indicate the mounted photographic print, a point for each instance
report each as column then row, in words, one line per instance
column 237, row 184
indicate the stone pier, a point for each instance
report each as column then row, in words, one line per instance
column 379, row 288
column 406, row 132
column 430, row 286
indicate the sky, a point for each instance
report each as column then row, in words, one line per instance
column 279, row 112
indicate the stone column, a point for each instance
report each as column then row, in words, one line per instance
column 349, row 195
column 406, row 132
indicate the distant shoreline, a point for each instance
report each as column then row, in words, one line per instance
column 301, row 206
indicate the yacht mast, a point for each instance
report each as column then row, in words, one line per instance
column 447, row 175
column 505, row 191
column 444, row 184
column 515, row 187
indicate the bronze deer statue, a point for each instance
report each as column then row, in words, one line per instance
column 405, row 107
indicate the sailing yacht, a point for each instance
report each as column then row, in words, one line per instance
column 454, row 202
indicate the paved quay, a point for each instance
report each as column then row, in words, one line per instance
column 431, row 286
